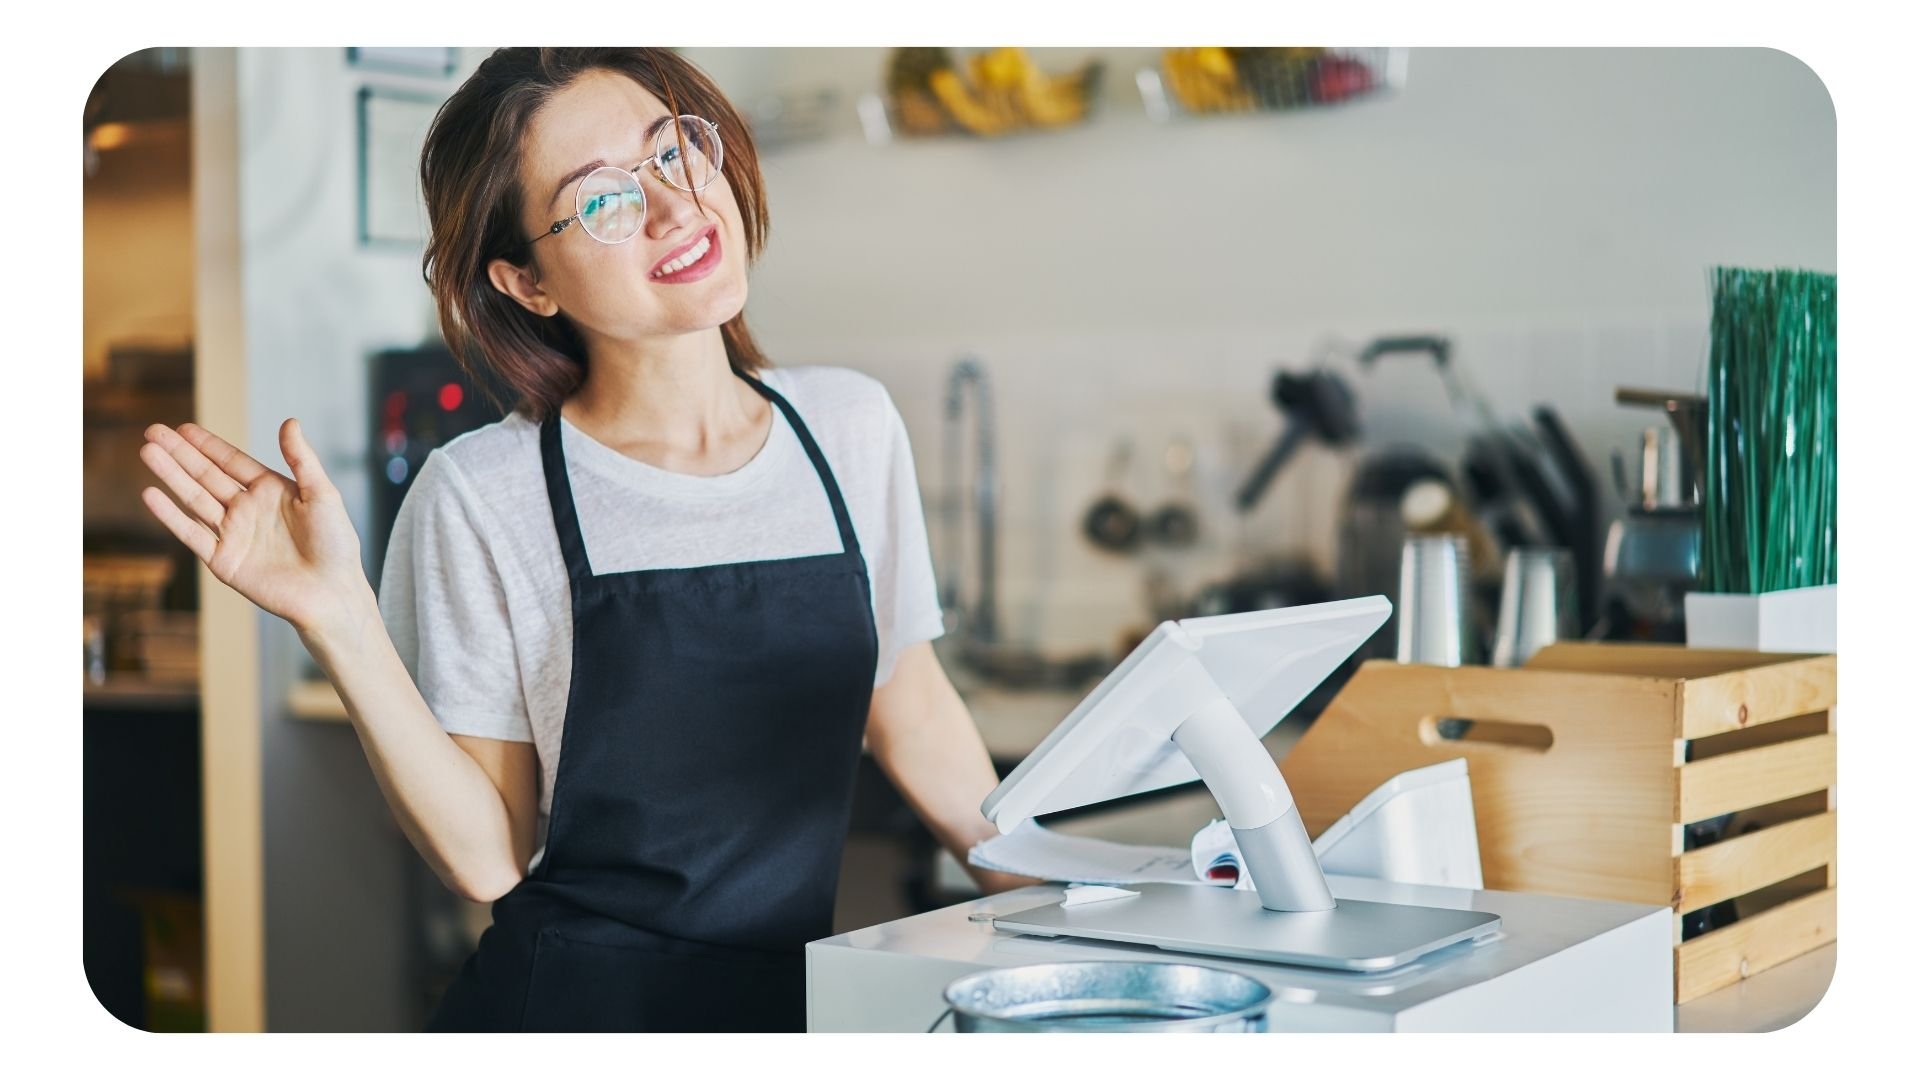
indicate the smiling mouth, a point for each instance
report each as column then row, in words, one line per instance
column 693, row 261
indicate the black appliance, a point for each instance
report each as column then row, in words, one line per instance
column 419, row 399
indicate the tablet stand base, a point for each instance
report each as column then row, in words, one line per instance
column 1207, row 920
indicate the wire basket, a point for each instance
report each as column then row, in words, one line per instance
column 982, row 93
column 1210, row 80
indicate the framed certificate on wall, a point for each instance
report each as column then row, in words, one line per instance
column 392, row 126
column 428, row 62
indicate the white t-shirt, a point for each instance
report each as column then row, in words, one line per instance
column 474, row 589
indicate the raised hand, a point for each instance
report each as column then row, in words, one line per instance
column 285, row 543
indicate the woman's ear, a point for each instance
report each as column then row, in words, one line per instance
column 520, row 283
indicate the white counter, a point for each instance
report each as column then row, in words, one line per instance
column 1558, row 964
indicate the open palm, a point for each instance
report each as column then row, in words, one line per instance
column 285, row 543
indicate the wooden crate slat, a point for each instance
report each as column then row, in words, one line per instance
column 1731, row 782
column 1800, row 806
column 1761, row 695
column 1748, row 738
column 1747, row 863
column 1754, row 944
column 1663, row 661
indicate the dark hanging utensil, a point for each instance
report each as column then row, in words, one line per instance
column 1112, row 523
column 1584, row 510
column 1176, row 523
column 1316, row 405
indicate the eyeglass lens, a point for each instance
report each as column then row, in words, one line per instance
column 612, row 205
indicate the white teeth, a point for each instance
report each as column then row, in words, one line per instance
column 693, row 255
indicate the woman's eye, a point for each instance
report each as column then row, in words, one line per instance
column 670, row 155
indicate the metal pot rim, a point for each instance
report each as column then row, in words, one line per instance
column 1253, row 1009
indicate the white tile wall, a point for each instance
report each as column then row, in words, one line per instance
column 1554, row 211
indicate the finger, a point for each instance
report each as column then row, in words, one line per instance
column 185, row 488
column 229, row 457
column 188, row 531
column 301, row 458
column 211, row 476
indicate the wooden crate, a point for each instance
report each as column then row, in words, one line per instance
column 1588, row 764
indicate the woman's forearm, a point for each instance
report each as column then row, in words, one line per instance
column 444, row 801
column 925, row 740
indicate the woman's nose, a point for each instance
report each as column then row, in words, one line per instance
column 669, row 208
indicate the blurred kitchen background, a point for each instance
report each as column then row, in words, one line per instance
column 1431, row 271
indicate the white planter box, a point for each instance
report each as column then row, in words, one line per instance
column 1791, row 620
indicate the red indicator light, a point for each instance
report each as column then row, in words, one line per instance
column 450, row 396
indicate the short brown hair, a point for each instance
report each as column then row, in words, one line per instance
column 469, row 174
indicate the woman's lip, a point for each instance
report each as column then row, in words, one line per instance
column 712, row 231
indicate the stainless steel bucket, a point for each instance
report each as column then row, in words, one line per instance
column 1108, row 996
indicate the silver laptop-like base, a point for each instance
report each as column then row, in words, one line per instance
column 1354, row 935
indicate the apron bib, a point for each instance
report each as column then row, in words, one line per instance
column 700, row 806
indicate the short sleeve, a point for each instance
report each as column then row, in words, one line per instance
column 906, row 602
column 445, row 608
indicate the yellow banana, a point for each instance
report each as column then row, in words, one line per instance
column 979, row 117
column 1052, row 102
column 1004, row 67
column 1173, row 73
column 1205, row 80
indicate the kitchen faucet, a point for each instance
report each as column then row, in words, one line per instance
column 982, row 622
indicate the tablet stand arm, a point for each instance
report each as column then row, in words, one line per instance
column 1250, row 790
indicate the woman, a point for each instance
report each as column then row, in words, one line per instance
column 629, row 638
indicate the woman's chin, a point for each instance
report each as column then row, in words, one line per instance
column 702, row 305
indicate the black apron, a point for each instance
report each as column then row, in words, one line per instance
column 701, row 801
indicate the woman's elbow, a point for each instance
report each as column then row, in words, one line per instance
column 482, row 888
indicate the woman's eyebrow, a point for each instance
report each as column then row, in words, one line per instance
column 652, row 129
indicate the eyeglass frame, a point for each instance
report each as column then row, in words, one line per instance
column 652, row 159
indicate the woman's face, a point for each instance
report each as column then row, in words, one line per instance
column 610, row 291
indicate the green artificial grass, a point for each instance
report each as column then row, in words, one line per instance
column 1768, row 498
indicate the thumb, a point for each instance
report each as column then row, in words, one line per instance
column 301, row 458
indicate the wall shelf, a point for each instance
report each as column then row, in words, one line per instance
column 136, row 692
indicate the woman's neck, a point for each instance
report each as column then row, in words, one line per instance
column 675, row 405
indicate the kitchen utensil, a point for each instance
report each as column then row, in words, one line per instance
column 1512, row 482
column 1435, row 623
column 1175, row 523
column 1430, row 506
column 1112, row 523
column 1315, row 405
column 1493, row 491
column 1108, row 995
column 1651, row 558
column 1651, row 561
column 1372, row 532
column 1583, row 487
column 1548, row 493
column 1662, row 471
column 1536, row 604
column 1687, row 414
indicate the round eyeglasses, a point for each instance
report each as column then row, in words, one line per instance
column 611, row 205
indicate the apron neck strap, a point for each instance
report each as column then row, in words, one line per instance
column 849, row 542
column 566, row 519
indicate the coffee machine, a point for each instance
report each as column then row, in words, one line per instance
column 1652, row 556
